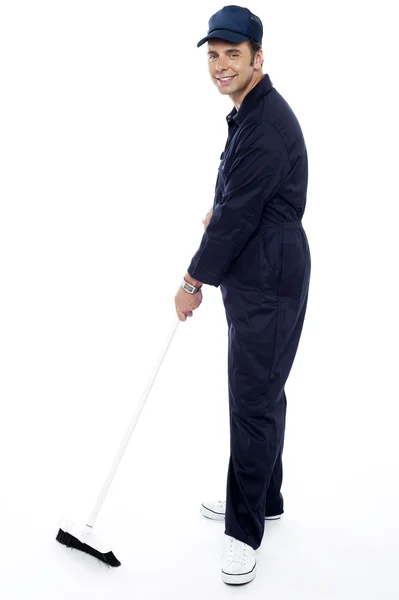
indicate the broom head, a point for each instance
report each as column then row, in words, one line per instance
column 83, row 539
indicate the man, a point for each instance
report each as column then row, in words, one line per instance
column 255, row 248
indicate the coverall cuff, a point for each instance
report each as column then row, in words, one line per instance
column 203, row 275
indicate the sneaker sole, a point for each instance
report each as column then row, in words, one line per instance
column 239, row 578
column 211, row 514
column 215, row 516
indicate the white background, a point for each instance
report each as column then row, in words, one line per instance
column 111, row 132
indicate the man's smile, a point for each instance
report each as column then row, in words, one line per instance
column 225, row 80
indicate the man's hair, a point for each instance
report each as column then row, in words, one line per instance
column 254, row 48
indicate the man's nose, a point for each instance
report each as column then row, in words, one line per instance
column 221, row 64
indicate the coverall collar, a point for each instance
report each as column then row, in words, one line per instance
column 250, row 101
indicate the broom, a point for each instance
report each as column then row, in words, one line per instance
column 83, row 538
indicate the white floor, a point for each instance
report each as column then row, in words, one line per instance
column 334, row 550
column 337, row 540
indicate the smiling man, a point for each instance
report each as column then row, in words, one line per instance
column 229, row 67
column 255, row 249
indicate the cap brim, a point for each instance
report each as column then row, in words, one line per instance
column 222, row 34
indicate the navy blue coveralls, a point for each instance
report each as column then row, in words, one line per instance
column 256, row 250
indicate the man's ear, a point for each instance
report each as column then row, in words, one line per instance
column 259, row 59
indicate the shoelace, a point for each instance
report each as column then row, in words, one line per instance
column 237, row 552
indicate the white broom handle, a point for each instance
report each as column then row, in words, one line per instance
column 130, row 429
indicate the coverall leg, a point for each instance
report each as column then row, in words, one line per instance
column 263, row 337
column 274, row 502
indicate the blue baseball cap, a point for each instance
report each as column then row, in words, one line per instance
column 234, row 24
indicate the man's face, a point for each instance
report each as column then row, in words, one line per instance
column 230, row 66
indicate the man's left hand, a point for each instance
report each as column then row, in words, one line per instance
column 185, row 302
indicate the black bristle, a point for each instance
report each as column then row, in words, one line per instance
column 71, row 541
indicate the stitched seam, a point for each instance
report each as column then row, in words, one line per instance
column 278, row 305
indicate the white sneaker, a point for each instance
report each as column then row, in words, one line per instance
column 216, row 510
column 238, row 562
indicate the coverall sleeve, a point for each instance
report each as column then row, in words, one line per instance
column 258, row 169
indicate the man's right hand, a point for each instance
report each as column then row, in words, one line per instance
column 207, row 218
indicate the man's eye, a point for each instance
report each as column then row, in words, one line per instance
column 234, row 55
column 212, row 57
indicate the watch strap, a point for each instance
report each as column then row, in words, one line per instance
column 191, row 289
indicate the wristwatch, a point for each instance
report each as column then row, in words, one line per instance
column 191, row 289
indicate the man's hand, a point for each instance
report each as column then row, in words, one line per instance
column 207, row 218
column 185, row 303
